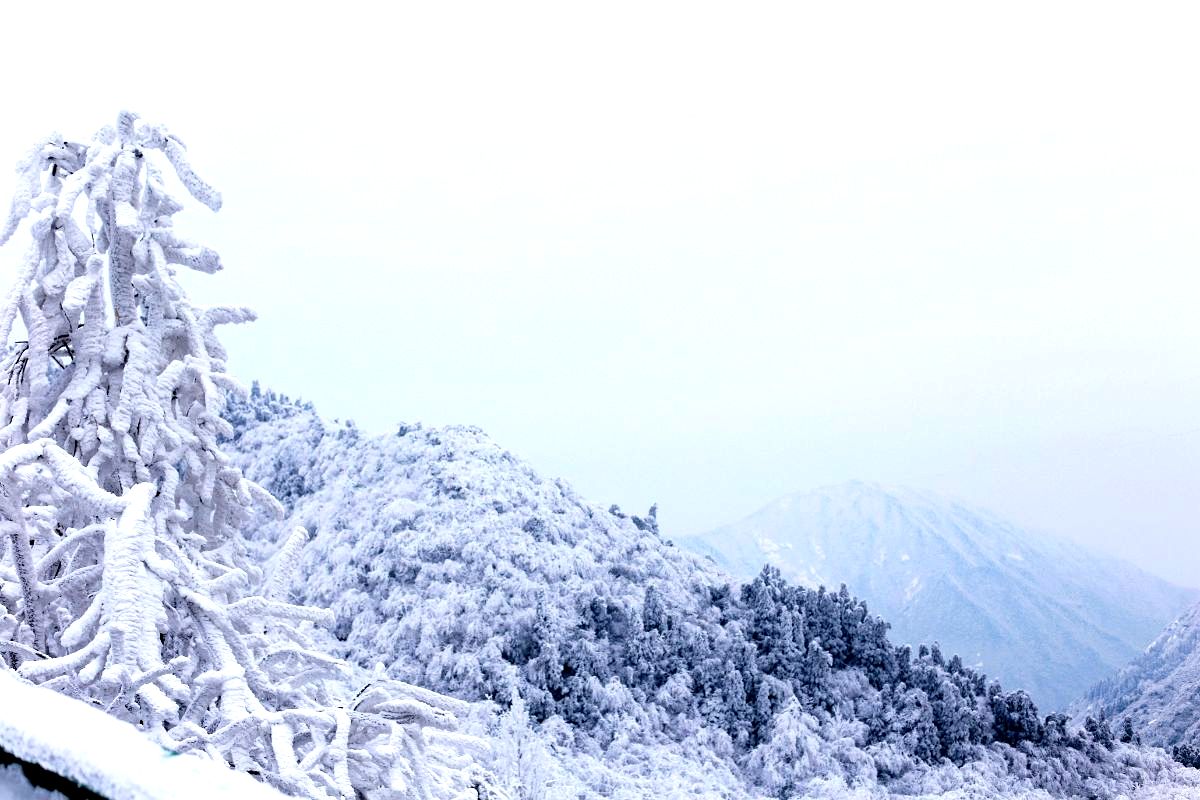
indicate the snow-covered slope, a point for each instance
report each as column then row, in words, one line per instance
column 1032, row 610
column 1160, row 690
column 450, row 561
column 624, row 666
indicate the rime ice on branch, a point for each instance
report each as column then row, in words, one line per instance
column 123, row 578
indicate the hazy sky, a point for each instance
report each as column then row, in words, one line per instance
column 701, row 254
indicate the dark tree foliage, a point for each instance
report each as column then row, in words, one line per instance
column 1100, row 731
column 1128, row 734
column 629, row 640
column 1187, row 754
column 650, row 523
column 1016, row 718
column 771, row 642
column 1056, row 733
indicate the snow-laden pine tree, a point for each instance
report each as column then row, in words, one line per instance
column 124, row 579
column 523, row 766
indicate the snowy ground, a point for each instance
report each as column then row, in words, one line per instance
column 101, row 753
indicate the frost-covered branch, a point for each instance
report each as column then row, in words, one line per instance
column 124, row 579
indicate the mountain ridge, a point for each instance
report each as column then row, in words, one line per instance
column 1012, row 601
column 629, row 667
column 1157, row 691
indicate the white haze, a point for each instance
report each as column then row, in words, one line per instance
column 701, row 254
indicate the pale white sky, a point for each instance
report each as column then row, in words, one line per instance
column 704, row 254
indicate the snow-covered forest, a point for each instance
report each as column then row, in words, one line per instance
column 418, row 614
column 1041, row 612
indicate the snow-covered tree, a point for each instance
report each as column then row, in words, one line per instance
column 124, row 579
column 794, row 753
column 524, row 767
column 1128, row 734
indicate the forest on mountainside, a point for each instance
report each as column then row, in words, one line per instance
column 457, row 566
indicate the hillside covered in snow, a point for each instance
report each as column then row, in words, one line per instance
column 638, row 668
column 238, row 585
column 1160, row 690
column 1035, row 611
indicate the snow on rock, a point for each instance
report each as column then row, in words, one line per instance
column 102, row 753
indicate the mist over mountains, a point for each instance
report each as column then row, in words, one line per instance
column 1034, row 610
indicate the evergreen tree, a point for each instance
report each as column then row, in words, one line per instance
column 1187, row 754
column 650, row 523
column 793, row 753
column 525, row 769
column 952, row 716
column 776, row 628
column 814, row 675
column 654, row 613
column 1100, row 730
column 1128, row 735
column 1055, row 732
column 1016, row 718
column 913, row 725
column 738, row 716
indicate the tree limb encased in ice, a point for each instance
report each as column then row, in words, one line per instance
column 123, row 575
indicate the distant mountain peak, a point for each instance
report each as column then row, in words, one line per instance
column 1037, row 610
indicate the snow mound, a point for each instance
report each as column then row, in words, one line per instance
column 103, row 754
